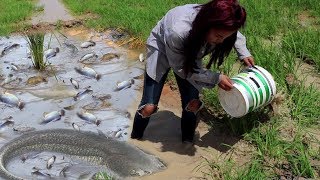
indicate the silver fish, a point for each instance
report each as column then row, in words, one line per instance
column 50, row 162
column 88, row 56
column 86, row 71
column 23, row 129
column 74, row 83
column 31, row 155
column 51, row 52
column 80, row 95
column 7, row 123
column 53, row 116
column 11, row 100
column 63, row 171
column 75, row 127
column 73, row 48
column 87, row 44
column 124, row 84
column 88, row 117
column 8, row 48
column 118, row 134
column 38, row 173
column 141, row 57
column 14, row 67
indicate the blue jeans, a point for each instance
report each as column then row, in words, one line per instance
column 151, row 95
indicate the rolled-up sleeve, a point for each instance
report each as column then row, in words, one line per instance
column 240, row 47
column 201, row 77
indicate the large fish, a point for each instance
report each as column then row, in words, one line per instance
column 11, row 100
column 87, row 44
column 8, row 48
column 53, row 116
column 89, row 118
column 89, row 72
column 124, row 85
column 88, row 56
column 74, row 83
column 73, row 48
column 51, row 52
column 80, row 95
column 119, row 158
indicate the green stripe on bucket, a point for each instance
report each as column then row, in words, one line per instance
column 267, row 87
column 246, row 81
column 248, row 89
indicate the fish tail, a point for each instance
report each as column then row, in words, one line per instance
column 57, row 49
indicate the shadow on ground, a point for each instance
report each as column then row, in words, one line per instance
column 164, row 128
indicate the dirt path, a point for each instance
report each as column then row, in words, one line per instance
column 162, row 138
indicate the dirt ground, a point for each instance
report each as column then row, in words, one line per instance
column 162, row 138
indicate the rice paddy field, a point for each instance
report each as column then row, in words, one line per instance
column 283, row 37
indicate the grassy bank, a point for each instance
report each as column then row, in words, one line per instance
column 139, row 17
column 13, row 12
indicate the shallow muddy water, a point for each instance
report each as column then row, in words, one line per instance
column 54, row 92
column 53, row 10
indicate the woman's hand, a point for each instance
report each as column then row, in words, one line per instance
column 225, row 83
column 249, row 61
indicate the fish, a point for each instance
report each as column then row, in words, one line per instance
column 89, row 72
column 74, row 83
column 39, row 173
column 80, row 95
column 67, row 141
column 51, row 52
column 141, row 57
column 8, row 48
column 124, row 85
column 109, row 56
column 88, row 56
column 14, row 67
column 51, row 161
column 89, row 118
column 7, row 123
column 53, row 116
column 62, row 173
column 23, row 129
column 87, row 44
column 75, row 127
column 31, row 155
column 11, row 100
column 118, row 134
column 73, row 48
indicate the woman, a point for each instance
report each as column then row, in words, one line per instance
column 179, row 41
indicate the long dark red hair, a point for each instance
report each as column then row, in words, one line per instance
column 218, row 14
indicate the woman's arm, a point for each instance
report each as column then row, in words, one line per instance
column 200, row 78
column 241, row 48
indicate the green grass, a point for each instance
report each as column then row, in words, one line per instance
column 139, row 17
column 303, row 43
column 35, row 42
column 12, row 13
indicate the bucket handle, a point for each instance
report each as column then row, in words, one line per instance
column 255, row 82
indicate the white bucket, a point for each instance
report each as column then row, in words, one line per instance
column 253, row 87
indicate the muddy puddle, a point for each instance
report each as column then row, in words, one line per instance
column 53, row 10
column 45, row 92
